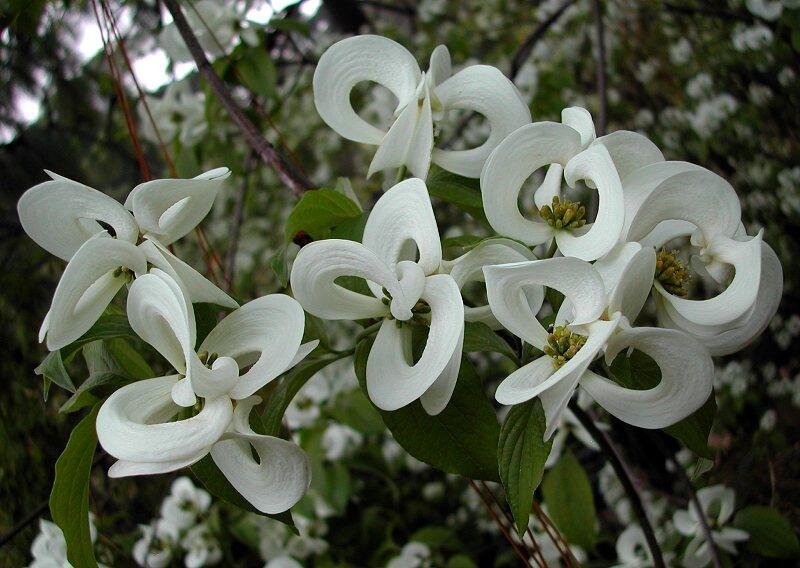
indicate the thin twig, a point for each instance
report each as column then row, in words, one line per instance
column 615, row 459
column 291, row 177
column 555, row 536
column 510, row 520
column 500, row 524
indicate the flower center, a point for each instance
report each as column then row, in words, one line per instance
column 123, row 271
column 207, row 358
column 418, row 310
column 671, row 273
column 566, row 215
column 563, row 344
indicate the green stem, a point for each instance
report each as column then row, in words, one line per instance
column 401, row 173
column 367, row 331
column 552, row 250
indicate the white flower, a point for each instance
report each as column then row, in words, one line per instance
column 73, row 221
column 134, row 424
column 569, row 148
column 423, row 99
column 717, row 503
column 202, row 548
column 155, row 548
column 767, row 9
column 49, row 548
column 412, row 555
column 178, row 114
column 571, row 425
column 401, row 289
column 669, row 200
column 601, row 302
column 184, row 504
column 283, row 562
column 340, row 440
column 213, row 23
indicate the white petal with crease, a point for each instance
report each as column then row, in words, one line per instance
column 435, row 399
column 630, row 151
column 581, row 120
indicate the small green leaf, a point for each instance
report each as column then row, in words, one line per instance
column 479, row 337
column 53, row 370
column 107, row 327
column 771, row 534
column 570, row 504
column 466, row 242
column 207, row 472
column 257, row 71
column 318, row 212
column 130, row 362
column 461, row 439
column 69, row 499
column 522, row 453
column 463, row 193
column 280, row 266
column 461, row 561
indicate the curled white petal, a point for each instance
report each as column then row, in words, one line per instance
column 521, row 153
column 88, row 285
column 630, row 293
column 440, row 67
column 351, row 61
column 687, row 372
column 61, row 215
column 581, row 120
column 576, row 279
column 595, row 164
column 134, row 425
column 487, row 91
column 630, row 151
column 435, row 399
column 408, row 143
column 269, row 328
column 402, row 214
column 392, row 381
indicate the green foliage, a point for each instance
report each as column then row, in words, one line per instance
column 640, row 371
column 257, row 71
column 462, row 439
column 570, row 504
column 52, row 370
column 480, row 337
column 463, row 193
column 69, row 499
column 771, row 534
column 318, row 212
column 522, row 453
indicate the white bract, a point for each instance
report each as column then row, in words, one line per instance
column 134, row 424
column 106, row 244
column 423, row 98
column 570, row 151
column 400, row 228
column 600, row 303
column 717, row 503
column 669, row 200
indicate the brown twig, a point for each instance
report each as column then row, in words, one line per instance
column 555, row 536
column 500, row 524
column 289, row 175
column 540, row 560
column 620, row 468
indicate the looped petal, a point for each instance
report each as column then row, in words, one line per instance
column 160, row 314
column 738, row 297
column 640, row 183
column 270, row 328
column 521, row 153
column 487, row 91
column 281, row 476
column 197, row 286
column 687, row 372
column 356, row 59
column 550, row 187
column 630, row 151
column 698, row 196
column 61, row 215
column 630, row 293
column 440, row 67
column 408, row 142
column 581, row 120
column 133, row 425
column 168, row 209
column 320, row 263
column 402, row 214
column 88, row 285
column 435, row 399
column 729, row 340
column 469, row 268
column 595, row 164
column 412, row 281
column 392, row 381
column 576, row 279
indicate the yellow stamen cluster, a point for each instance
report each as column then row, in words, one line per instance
column 671, row 273
column 566, row 215
column 562, row 345
column 123, row 271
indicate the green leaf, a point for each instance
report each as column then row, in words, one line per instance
column 434, row 536
column 570, row 504
column 130, row 362
column 479, row 337
column 640, row 371
column 257, row 71
column 462, row 439
column 318, row 212
column 287, row 387
column 53, row 370
column 207, row 472
column 771, row 534
column 354, row 409
column 107, row 327
column 522, row 453
column 83, row 396
column 69, row 499
column 280, row 266
column 463, row 193
column 461, row 561
column 351, row 229
column 466, row 242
